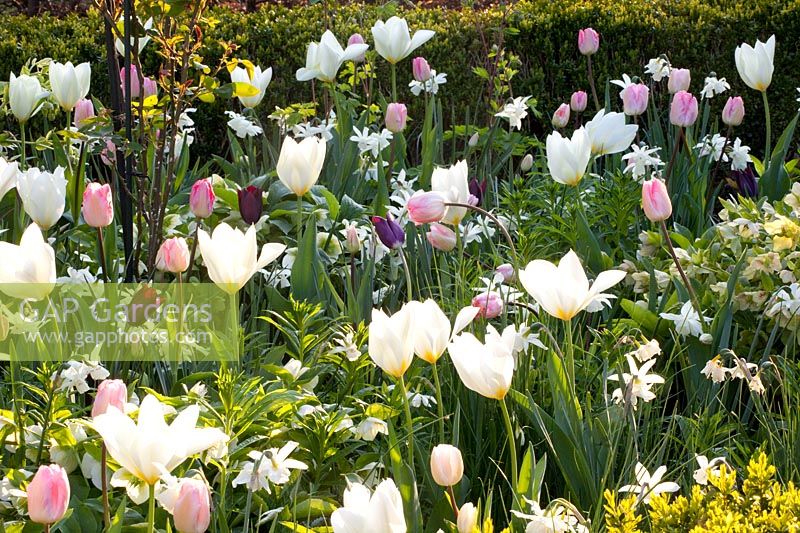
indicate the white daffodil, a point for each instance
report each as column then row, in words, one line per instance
column 688, row 321
column 515, row 111
column 641, row 159
column 242, row 126
column 636, row 384
column 271, row 466
column 658, row 68
column 714, row 86
column 648, row 485
column 706, row 468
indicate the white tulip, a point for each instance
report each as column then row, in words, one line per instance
column 391, row 341
column 25, row 95
column 43, row 195
column 260, row 81
column 69, row 83
column 567, row 159
column 8, row 176
column 324, row 58
column 28, row 270
column 432, row 331
column 453, row 183
column 563, row 291
column 119, row 46
column 484, row 368
column 379, row 512
column 393, row 41
column 755, row 64
column 230, row 255
column 300, row 163
column 609, row 134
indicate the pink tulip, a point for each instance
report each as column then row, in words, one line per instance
column 634, row 99
column 588, row 41
column 201, row 199
column 135, row 87
column 396, row 116
column 441, row 237
column 48, row 495
column 150, row 87
column 173, row 255
column 561, row 116
column 356, row 38
column 108, row 155
column 679, row 80
column 98, row 206
column 684, row 109
column 490, row 304
column 110, row 393
column 426, row 207
column 192, row 511
column 421, row 69
column 84, row 110
column 507, row 271
column 351, row 241
column 733, row 112
column 578, row 101
column 655, row 200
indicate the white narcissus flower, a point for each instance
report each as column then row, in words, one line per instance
column 324, row 58
column 640, row 159
column 243, row 126
column 453, row 183
column 484, row 368
column 272, row 466
column 230, row 255
column 658, row 68
column 391, row 341
column 8, row 176
column 755, row 63
column 637, row 384
column 432, row 331
column 370, row 427
column 69, row 83
column 28, row 270
column 714, row 370
column 740, row 155
column 563, row 291
column 688, row 321
column 608, row 133
column 515, row 111
column 706, row 468
column 393, row 40
column 379, row 512
column 714, row 86
column 567, row 158
column 650, row 485
column 25, row 95
column 260, row 80
column 300, row 164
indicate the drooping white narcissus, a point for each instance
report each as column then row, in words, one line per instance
column 259, row 79
column 486, row 368
column 432, row 331
column 43, row 195
column 393, row 40
column 608, row 133
column 391, row 340
column 300, row 163
column 379, row 512
column 756, row 63
column 69, row 83
column 25, row 95
column 649, row 485
column 563, row 291
column 231, row 256
column 324, row 58
column 453, row 184
column 567, row 158
column 28, row 270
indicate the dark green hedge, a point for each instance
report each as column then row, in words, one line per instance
column 698, row 34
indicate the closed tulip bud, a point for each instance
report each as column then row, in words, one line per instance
column 425, row 207
column 507, row 271
column 135, row 87
column 634, row 99
column 655, row 200
column 389, row 232
column 300, row 164
column 578, row 101
column 490, row 304
column 84, row 110
column 527, row 163
column 25, row 95
column 391, row 340
column 28, row 270
column 69, row 83
column 684, row 109
column 421, row 69
column 48, row 495
column 447, row 466
column 561, row 116
column 679, row 80
column 473, row 140
column 356, row 38
column 98, row 206
column 43, row 195
column 250, row 204
column 110, row 393
column 396, row 116
column 477, row 189
column 467, row 518
column 192, row 510
column 588, row 41
column 746, row 182
column 441, row 237
column 351, row 241
column 173, row 256
column 260, row 80
column 733, row 112
column 149, row 88
column 202, row 197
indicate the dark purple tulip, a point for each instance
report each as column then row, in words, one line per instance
column 478, row 189
column 746, row 182
column 250, row 206
column 389, row 232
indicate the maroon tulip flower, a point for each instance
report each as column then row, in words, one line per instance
column 250, row 206
column 389, row 232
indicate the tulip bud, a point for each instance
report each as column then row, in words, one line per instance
column 507, row 271
column 441, row 237
column 173, row 255
column 634, row 99
column 477, row 189
column 578, row 101
column 108, row 155
column 684, row 109
column 135, row 87
column 588, row 41
column 396, row 116
column 733, row 112
column 526, row 164
column 48, row 495
column 473, row 141
column 351, row 241
column 84, row 110
column 425, row 207
column 421, row 69
column 561, row 116
column 490, row 304
column 655, row 200
column 356, row 38
column 467, row 518
column 98, row 206
column 192, row 510
column 201, row 199
column 150, row 87
column 250, row 206
column 4, row 327
column 110, row 393
column 447, row 466
column 746, row 182
column 679, row 80
column 389, row 232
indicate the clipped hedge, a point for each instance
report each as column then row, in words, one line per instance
column 697, row 34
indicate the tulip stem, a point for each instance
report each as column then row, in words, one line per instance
column 569, row 360
column 104, row 485
column 439, row 406
column 591, row 82
column 194, row 250
column 23, row 150
column 151, row 510
column 768, row 148
column 497, row 222
column 409, row 422
column 299, row 220
column 675, row 149
column 394, row 82
column 102, row 251
column 512, row 447
column 689, row 289
column 453, row 501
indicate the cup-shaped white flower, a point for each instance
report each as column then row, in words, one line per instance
column 300, row 163
column 25, row 95
column 141, row 42
column 486, row 368
column 69, row 83
column 394, row 42
column 567, row 159
column 231, row 256
column 432, row 331
column 260, row 80
column 43, row 195
column 756, row 63
column 28, row 270
column 324, row 58
column 379, row 512
column 564, row 291
column 608, row 133
column 8, row 176
column 391, row 340
column 453, row 183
